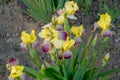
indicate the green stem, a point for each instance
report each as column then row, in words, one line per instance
column 34, row 56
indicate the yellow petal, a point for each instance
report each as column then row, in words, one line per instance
column 57, row 43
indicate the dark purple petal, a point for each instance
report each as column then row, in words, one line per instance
column 67, row 54
column 45, row 46
column 59, row 27
column 106, row 33
column 58, row 12
column 62, row 35
column 13, row 61
column 60, row 56
column 94, row 27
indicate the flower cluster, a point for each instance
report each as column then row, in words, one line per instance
column 103, row 23
column 56, row 37
column 59, row 38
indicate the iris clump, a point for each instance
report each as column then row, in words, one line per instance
column 69, row 62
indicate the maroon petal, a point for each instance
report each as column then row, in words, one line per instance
column 63, row 35
column 60, row 56
column 94, row 27
column 13, row 61
column 45, row 46
column 67, row 54
column 106, row 33
column 58, row 12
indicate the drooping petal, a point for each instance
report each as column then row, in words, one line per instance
column 57, row 43
column 12, row 62
column 67, row 54
column 78, row 40
column 35, row 44
column 23, row 46
column 106, row 33
column 45, row 46
column 71, row 16
column 62, row 35
column 47, row 25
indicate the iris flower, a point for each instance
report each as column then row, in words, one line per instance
column 16, row 71
column 28, row 38
column 70, row 7
column 67, row 44
column 49, row 34
column 77, row 31
column 104, row 21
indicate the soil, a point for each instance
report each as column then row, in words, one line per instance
column 13, row 22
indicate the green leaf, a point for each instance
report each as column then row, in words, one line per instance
column 54, row 74
column 105, row 73
column 33, row 72
column 66, row 25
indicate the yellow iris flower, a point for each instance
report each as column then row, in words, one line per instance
column 16, row 71
column 77, row 31
column 49, row 34
column 68, row 44
column 28, row 38
column 61, row 19
column 104, row 21
column 70, row 7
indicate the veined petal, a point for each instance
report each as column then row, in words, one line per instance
column 106, row 33
column 59, row 27
column 35, row 44
column 45, row 46
column 62, row 35
column 67, row 54
column 23, row 46
column 78, row 40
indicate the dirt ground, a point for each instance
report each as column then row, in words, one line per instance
column 13, row 22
